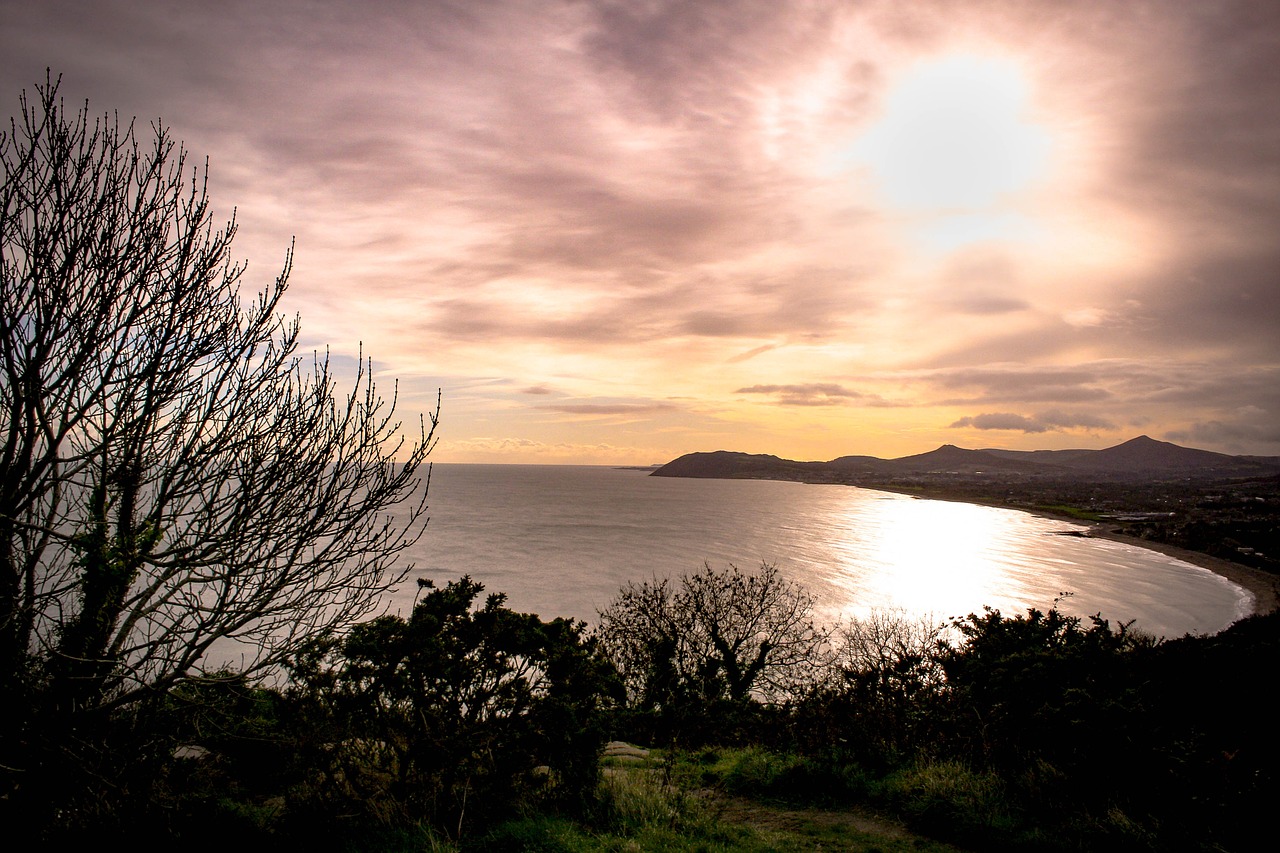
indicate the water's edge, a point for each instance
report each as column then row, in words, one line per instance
column 563, row 540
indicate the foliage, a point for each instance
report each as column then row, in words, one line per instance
column 177, row 482
column 1048, row 695
column 718, row 635
column 774, row 776
column 878, row 704
column 949, row 800
column 453, row 715
column 1210, row 739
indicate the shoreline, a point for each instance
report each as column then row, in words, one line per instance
column 1263, row 586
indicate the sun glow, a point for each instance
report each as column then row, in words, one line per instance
column 955, row 138
column 926, row 556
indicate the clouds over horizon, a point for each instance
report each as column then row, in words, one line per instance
column 627, row 205
column 1050, row 421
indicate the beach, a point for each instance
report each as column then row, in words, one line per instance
column 1264, row 586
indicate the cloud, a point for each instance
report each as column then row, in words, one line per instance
column 989, row 305
column 1249, row 429
column 640, row 200
column 1087, row 317
column 1073, row 420
column 752, row 353
column 1019, row 383
column 511, row 449
column 609, row 408
column 814, row 394
column 1050, row 421
column 1002, row 421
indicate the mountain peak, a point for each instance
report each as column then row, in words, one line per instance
column 1147, row 453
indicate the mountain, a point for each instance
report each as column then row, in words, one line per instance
column 1146, row 454
column 950, row 459
column 1141, row 458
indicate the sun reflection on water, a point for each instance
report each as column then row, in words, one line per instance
column 925, row 556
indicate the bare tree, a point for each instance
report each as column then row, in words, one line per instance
column 720, row 634
column 174, row 473
column 887, row 645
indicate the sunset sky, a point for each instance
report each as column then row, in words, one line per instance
column 616, row 232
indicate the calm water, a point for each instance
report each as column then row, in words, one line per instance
column 561, row 540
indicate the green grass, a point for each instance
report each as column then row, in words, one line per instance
column 773, row 777
column 949, row 799
column 663, row 805
column 1071, row 511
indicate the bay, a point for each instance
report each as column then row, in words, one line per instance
column 562, row 541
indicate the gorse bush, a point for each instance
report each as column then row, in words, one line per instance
column 453, row 715
column 1050, row 698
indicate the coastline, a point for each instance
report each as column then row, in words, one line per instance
column 1263, row 586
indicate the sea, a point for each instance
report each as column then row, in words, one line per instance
column 563, row 540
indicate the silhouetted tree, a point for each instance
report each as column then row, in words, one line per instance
column 173, row 473
column 718, row 635
column 879, row 700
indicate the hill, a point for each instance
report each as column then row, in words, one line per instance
column 1138, row 459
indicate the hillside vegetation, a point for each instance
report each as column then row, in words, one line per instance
column 470, row 726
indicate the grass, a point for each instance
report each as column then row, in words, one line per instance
column 773, row 777
column 749, row 800
column 714, row 801
column 1070, row 511
column 949, row 799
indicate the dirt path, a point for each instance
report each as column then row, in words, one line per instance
column 761, row 816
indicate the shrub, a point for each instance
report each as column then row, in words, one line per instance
column 716, row 636
column 947, row 799
column 448, row 716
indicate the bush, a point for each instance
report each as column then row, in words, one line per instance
column 718, row 636
column 948, row 800
column 453, row 716
column 878, row 706
column 1043, row 690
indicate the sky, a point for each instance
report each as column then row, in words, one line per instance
column 617, row 232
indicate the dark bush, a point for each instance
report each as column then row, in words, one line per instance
column 452, row 716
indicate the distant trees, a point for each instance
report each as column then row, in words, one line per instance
column 172, row 473
column 717, row 635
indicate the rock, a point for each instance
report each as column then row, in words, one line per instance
column 621, row 749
